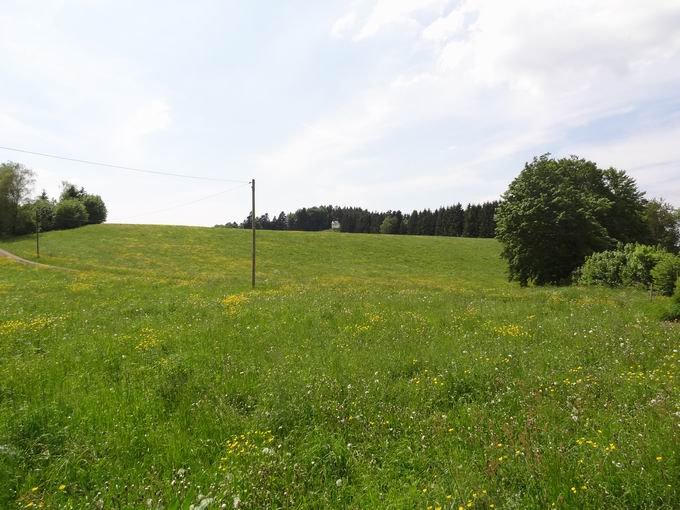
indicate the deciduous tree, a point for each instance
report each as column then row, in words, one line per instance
column 559, row 211
column 70, row 213
column 16, row 183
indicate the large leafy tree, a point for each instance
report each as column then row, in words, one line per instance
column 96, row 209
column 16, row 182
column 558, row 211
column 663, row 225
column 625, row 219
column 69, row 191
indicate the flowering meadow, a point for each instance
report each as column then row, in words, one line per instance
column 365, row 371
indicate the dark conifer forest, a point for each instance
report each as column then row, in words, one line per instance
column 473, row 220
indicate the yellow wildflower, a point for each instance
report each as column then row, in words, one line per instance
column 513, row 330
column 233, row 303
column 147, row 340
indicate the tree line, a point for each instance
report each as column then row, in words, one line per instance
column 20, row 214
column 474, row 220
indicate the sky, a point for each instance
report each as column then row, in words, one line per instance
column 382, row 104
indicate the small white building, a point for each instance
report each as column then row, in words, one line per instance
column 335, row 226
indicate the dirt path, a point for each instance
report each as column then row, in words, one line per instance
column 6, row 254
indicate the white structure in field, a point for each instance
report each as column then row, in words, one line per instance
column 335, row 226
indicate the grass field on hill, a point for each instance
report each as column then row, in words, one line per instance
column 365, row 371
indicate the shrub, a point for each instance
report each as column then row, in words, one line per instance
column 674, row 313
column 665, row 274
column 629, row 264
column 390, row 225
column 640, row 260
column 603, row 268
column 25, row 220
column 44, row 210
column 70, row 213
column 29, row 213
column 96, row 210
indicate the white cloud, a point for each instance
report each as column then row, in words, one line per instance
column 513, row 79
column 102, row 102
column 528, row 72
column 396, row 12
column 564, row 44
column 320, row 147
column 11, row 128
column 408, row 103
column 445, row 27
column 652, row 158
column 344, row 25
column 150, row 117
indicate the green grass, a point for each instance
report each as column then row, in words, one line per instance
column 365, row 371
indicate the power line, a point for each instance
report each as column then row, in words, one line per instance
column 121, row 167
column 180, row 205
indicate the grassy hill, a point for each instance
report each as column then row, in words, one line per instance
column 364, row 371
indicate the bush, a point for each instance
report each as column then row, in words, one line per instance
column 603, row 268
column 70, row 213
column 640, row 260
column 29, row 213
column 25, row 220
column 629, row 264
column 96, row 210
column 390, row 225
column 674, row 313
column 44, row 210
column 665, row 274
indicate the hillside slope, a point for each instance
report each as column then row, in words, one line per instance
column 364, row 371
column 283, row 257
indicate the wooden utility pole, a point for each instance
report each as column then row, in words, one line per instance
column 252, row 218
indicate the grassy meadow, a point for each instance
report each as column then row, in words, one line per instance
column 365, row 371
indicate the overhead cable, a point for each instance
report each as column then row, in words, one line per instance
column 121, row 167
column 184, row 204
